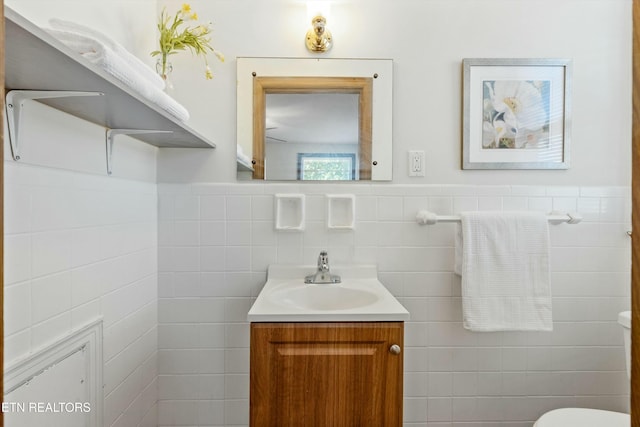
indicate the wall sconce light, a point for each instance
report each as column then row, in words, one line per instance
column 318, row 37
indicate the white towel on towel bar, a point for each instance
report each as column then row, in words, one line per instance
column 505, row 271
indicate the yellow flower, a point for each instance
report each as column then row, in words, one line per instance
column 176, row 35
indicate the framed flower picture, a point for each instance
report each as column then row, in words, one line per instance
column 516, row 113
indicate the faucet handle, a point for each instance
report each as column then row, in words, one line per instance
column 323, row 259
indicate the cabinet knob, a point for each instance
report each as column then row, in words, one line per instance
column 395, row 349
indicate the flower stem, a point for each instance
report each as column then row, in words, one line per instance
column 164, row 66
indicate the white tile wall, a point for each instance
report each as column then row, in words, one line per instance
column 216, row 240
column 173, row 269
column 81, row 247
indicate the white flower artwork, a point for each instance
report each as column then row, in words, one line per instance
column 515, row 114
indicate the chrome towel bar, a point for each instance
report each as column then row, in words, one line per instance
column 429, row 218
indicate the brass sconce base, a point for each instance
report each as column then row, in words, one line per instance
column 318, row 38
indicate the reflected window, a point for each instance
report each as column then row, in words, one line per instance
column 326, row 166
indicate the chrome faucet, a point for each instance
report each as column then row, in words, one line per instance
column 323, row 274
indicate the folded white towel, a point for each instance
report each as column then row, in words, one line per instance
column 505, row 271
column 133, row 61
column 101, row 55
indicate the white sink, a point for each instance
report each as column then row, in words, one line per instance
column 360, row 297
column 325, row 297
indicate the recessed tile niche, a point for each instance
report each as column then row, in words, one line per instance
column 341, row 211
column 290, row 215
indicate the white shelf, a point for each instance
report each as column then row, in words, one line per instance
column 34, row 60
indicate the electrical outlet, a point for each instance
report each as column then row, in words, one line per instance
column 416, row 163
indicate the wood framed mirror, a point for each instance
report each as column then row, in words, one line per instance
column 340, row 118
column 312, row 128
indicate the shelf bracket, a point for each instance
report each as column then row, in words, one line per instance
column 15, row 102
column 111, row 133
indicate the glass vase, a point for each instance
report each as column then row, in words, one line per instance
column 164, row 70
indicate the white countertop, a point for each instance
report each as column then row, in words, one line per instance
column 359, row 298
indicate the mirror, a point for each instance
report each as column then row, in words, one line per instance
column 312, row 128
column 298, row 138
column 310, row 119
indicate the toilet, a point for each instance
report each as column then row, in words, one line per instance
column 584, row 417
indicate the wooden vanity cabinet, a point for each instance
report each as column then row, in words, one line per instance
column 326, row 374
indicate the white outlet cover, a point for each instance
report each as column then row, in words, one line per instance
column 416, row 163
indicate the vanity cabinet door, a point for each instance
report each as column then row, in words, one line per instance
column 326, row 374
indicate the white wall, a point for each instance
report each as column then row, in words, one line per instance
column 216, row 241
column 130, row 22
column 216, row 236
column 66, row 220
column 427, row 41
column 80, row 245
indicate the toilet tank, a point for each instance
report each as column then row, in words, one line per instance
column 624, row 319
